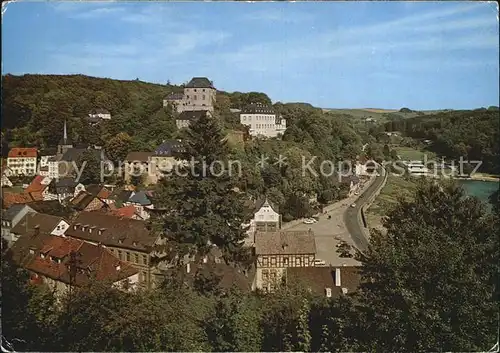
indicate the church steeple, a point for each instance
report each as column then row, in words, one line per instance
column 65, row 143
column 65, row 138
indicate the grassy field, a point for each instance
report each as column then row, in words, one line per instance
column 395, row 188
column 411, row 154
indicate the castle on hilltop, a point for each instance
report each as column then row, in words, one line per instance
column 199, row 95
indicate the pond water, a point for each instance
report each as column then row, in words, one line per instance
column 481, row 189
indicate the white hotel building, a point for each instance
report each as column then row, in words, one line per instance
column 262, row 120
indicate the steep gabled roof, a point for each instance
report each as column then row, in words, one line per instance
column 45, row 223
column 200, row 82
column 12, row 211
column 12, row 198
column 115, row 231
column 23, row 153
column 141, row 198
column 169, row 148
column 285, row 242
column 138, row 156
column 320, row 278
column 83, row 199
column 93, row 262
column 260, row 202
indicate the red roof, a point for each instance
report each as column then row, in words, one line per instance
column 127, row 211
column 36, row 184
column 92, row 261
column 22, row 152
column 12, row 198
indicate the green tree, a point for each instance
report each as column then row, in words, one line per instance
column 235, row 324
column 201, row 206
column 91, row 164
column 118, row 147
column 452, row 244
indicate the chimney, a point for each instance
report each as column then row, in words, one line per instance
column 337, row 277
column 36, row 230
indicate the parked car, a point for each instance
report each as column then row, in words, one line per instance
column 353, row 205
column 319, row 262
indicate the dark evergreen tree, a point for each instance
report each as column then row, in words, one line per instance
column 201, row 206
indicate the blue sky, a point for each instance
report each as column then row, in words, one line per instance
column 419, row 55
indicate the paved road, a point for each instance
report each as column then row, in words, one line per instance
column 354, row 227
column 328, row 233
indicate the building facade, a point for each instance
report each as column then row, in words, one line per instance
column 199, row 94
column 266, row 218
column 262, row 121
column 23, row 161
column 277, row 251
column 128, row 239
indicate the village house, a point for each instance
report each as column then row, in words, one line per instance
column 187, row 117
column 100, row 114
column 163, row 159
column 85, row 201
column 199, row 94
column 126, row 211
column 277, row 251
column 128, row 239
column 141, row 200
column 11, row 217
column 213, row 264
column 262, row 120
column 38, row 222
column 12, row 198
column 331, row 282
column 45, row 156
column 51, row 207
column 265, row 219
column 39, row 188
column 63, row 262
column 64, row 188
column 138, row 164
column 6, row 173
column 364, row 167
column 22, row 161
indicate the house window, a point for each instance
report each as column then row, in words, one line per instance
column 136, row 258
column 144, row 260
column 120, row 254
column 285, row 261
column 298, row 261
column 203, row 97
column 273, row 260
column 265, row 261
column 265, row 275
column 328, row 292
column 194, row 97
column 128, row 256
column 273, row 274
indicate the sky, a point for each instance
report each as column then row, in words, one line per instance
column 420, row 55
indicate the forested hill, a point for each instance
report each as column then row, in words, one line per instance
column 34, row 108
column 472, row 134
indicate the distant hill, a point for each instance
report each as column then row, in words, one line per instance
column 34, row 108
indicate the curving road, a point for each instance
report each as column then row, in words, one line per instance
column 353, row 225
